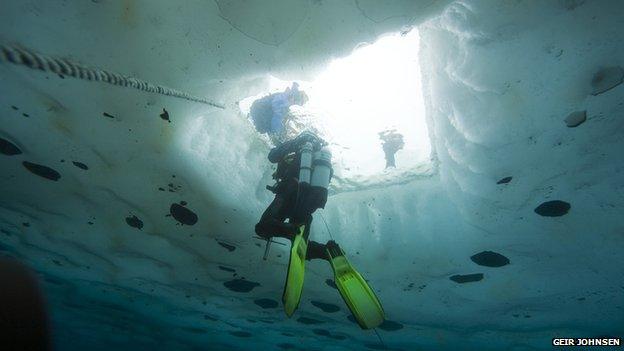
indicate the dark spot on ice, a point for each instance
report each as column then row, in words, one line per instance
column 555, row 208
column 390, row 326
column 581, row 299
column 240, row 285
column 80, row 165
column 286, row 346
column 266, row 303
column 504, row 180
column 42, row 171
column 25, row 115
column 90, row 223
column 161, row 189
column 527, row 316
column 134, row 221
column 306, row 320
column 606, row 79
column 26, row 224
column 165, row 115
column 466, row 278
column 8, row 148
column 331, row 283
column 108, row 115
column 14, row 107
column 321, row 332
column 325, row 307
column 516, row 315
column 575, row 119
column 61, row 76
column 183, row 214
column 489, row 259
column 183, row 203
column 58, row 263
column 227, row 269
column 5, row 232
column 227, row 246
column 241, row 334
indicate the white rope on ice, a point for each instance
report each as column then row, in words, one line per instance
column 30, row 59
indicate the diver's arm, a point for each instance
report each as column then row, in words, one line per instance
column 278, row 152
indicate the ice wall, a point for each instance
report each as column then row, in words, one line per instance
column 150, row 246
column 502, row 80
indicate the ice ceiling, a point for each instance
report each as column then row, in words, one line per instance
column 141, row 229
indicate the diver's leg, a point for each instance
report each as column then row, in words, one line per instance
column 316, row 251
column 272, row 221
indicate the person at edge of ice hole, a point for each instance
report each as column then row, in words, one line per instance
column 270, row 113
column 391, row 142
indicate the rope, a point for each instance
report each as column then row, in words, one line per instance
column 326, row 226
column 30, row 59
column 380, row 339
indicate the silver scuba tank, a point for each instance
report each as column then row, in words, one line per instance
column 305, row 163
column 321, row 173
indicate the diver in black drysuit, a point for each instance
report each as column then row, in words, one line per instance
column 293, row 201
column 303, row 175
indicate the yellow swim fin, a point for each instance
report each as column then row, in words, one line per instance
column 355, row 291
column 296, row 271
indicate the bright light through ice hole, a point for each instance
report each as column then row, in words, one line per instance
column 376, row 88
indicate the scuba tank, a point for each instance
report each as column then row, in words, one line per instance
column 305, row 163
column 315, row 172
column 322, row 169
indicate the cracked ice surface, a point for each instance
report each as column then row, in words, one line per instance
column 511, row 237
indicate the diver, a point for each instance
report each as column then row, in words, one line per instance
column 392, row 141
column 289, row 203
column 269, row 113
column 302, row 179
